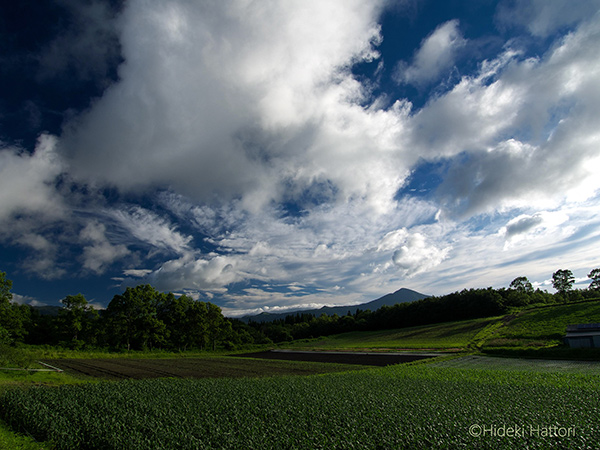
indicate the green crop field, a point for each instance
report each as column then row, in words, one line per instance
column 212, row 366
column 475, row 362
column 437, row 336
column 402, row 406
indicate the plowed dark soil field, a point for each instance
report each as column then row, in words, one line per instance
column 214, row 367
column 369, row 359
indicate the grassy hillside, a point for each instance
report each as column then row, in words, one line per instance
column 442, row 336
column 544, row 326
column 531, row 328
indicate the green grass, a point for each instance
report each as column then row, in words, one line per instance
column 403, row 406
column 531, row 332
column 9, row 439
column 449, row 335
column 543, row 327
column 477, row 362
column 34, row 352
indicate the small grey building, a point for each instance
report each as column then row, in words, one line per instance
column 583, row 335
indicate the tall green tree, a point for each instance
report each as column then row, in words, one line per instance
column 594, row 275
column 177, row 315
column 13, row 318
column 132, row 319
column 5, row 287
column 77, row 316
column 216, row 323
column 5, row 298
column 522, row 285
column 197, row 331
column 562, row 281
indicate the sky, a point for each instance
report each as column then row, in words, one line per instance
column 271, row 155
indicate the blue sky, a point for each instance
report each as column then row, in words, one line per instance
column 268, row 155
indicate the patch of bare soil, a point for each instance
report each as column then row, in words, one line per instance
column 366, row 359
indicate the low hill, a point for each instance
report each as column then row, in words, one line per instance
column 540, row 327
column 400, row 296
column 538, row 330
column 440, row 336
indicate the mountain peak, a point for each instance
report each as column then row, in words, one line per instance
column 402, row 295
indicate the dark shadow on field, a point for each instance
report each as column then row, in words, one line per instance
column 211, row 367
column 365, row 359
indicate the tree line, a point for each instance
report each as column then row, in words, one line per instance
column 463, row 305
column 143, row 318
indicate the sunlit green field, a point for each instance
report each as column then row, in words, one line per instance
column 475, row 362
column 402, row 406
column 534, row 328
column 544, row 326
column 438, row 336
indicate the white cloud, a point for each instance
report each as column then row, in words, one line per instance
column 101, row 253
column 243, row 100
column 436, row 56
column 415, row 255
column 542, row 18
column 542, row 223
column 549, row 105
column 247, row 119
column 148, row 227
column 137, row 273
column 27, row 181
column 26, row 300
column 187, row 273
column 318, row 251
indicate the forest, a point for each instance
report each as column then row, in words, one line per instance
column 142, row 318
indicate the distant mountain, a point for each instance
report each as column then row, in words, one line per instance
column 400, row 296
column 48, row 310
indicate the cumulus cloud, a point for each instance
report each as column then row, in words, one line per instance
column 436, row 56
column 550, row 105
column 27, row 181
column 243, row 100
column 187, row 273
column 414, row 254
column 263, row 160
column 31, row 206
column 26, row 300
column 318, row 251
column 100, row 253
